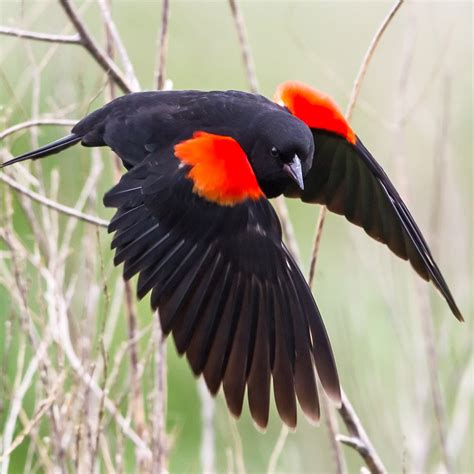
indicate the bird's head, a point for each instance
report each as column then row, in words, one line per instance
column 280, row 152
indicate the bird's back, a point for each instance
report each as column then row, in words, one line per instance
column 139, row 123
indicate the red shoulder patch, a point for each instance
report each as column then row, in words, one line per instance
column 220, row 169
column 314, row 108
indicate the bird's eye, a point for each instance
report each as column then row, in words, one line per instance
column 274, row 151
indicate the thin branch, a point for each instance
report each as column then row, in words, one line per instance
column 350, row 108
column 359, row 439
column 368, row 57
column 44, row 406
column 332, row 427
column 37, row 123
column 124, row 57
column 316, row 244
column 136, row 401
column 244, row 45
column 160, row 74
column 61, row 208
column 277, row 450
column 35, row 35
column 95, row 50
column 159, row 441
column 208, row 444
column 422, row 300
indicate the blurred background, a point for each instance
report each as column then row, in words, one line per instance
column 62, row 291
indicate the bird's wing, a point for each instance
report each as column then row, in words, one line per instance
column 226, row 288
column 346, row 178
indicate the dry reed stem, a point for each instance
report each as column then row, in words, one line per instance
column 114, row 35
column 110, row 68
column 49, row 203
column 44, row 406
column 137, row 405
column 162, row 47
column 350, row 109
column 247, row 56
column 359, row 437
column 160, row 442
column 207, row 451
column 332, row 427
column 421, row 298
column 38, row 36
column 277, row 449
column 159, row 439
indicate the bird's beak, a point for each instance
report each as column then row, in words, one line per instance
column 293, row 170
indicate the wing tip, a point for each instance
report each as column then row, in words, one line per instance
column 456, row 311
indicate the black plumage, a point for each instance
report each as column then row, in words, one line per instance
column 226, row 287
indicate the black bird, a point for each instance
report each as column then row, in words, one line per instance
column 194, row 222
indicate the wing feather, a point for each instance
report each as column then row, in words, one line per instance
column 346, row 178
column 225, row 286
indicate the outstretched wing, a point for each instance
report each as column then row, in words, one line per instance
column 226, row 288
column 346, row 178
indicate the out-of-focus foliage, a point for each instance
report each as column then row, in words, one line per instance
column 414, row 114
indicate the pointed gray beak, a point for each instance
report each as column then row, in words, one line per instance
column 293, row 170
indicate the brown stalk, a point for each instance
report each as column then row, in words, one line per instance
column 43, row 200
column 38, row 36
column 162, row 47
column 350, row 109
column 159, row 439
column 423, row 303
column 95, row 50
column 244, row 45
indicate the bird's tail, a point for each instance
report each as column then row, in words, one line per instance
column 46, row 150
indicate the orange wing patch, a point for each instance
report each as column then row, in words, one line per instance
column 220, row 169
column 314, row 108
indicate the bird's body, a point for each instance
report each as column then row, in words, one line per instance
column 194, row 222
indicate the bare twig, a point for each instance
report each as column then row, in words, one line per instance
column 368, row 57
column 37, row 123
column 137, row 406
column 244, row 45
column 162, row 48
column 35, row 35
column 316, row 244
column 430, row 338
column 328, row 409
column 359, row 439
column 16, row 406
column 112, row 29
column 95, row 50
column 278, row 448
column 44, row 406
column 61, row 208
column 208, row 447
column 333, row 428
column 159, row 441
column 350, row 108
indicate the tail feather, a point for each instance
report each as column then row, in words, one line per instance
column 46, row 150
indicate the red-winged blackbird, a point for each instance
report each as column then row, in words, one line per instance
column 195, row 223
